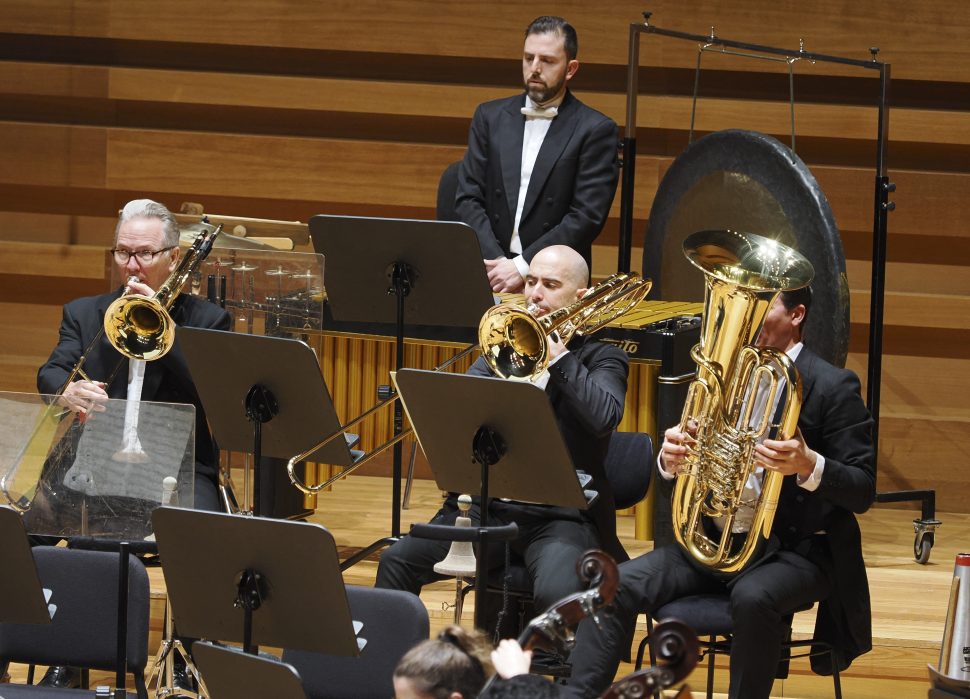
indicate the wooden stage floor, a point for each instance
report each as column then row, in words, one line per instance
column 909, row 600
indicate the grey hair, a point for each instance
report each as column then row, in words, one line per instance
column 146, row 208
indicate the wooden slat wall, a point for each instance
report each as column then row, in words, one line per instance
column 289, row 108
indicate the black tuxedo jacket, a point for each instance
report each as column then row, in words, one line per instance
column 571, row 188
column 167, row 380
column 587, row 389
column 835, row 423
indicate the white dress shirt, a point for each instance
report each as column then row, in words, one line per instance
column 532, row 137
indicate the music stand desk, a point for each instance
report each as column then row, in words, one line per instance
column 231, row 674
column 226, row 365
column 276, row 378
column 22, row 598
column 448, row 409
column 300, row 598
column 447, row 281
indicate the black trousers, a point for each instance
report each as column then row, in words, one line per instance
column 761, row 600
column 549, row 546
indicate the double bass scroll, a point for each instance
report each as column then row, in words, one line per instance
column 553, row 629
column 675, row 646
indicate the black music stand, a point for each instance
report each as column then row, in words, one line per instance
column 231, row 674
column 418, row 262
column 493, row 437
column 235, row 578
column 22, row 599
column 263, row 394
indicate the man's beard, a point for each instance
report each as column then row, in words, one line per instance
column 542, row 95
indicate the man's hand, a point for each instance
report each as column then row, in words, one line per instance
column 555, row 345
column 510, row 660
column 504, row 276
column 137, row 288
column 84, row 397
column 786, row 456
column 676, row 446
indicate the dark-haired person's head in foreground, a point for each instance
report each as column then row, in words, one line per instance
column 454, row 665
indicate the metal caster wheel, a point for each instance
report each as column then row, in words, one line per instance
column 925, row 538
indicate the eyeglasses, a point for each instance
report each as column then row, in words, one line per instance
column 144, row 256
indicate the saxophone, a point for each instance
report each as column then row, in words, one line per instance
column 741, row 394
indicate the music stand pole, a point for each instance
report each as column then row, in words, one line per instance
column 488, row 448
column 401, row 275
column 122, row 667
column 401, row 288
column 261, row 406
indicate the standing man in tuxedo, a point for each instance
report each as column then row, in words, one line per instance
column 814, row 552
column 541, row 168
column 586, row 385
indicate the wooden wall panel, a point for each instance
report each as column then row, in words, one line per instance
column 312, row 169
column 926, row 41
column 52, row 155
column 288, row 108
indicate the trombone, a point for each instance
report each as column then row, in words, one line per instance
column 138, row 328
column 513, row 342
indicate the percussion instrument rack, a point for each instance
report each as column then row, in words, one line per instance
column 926, row 525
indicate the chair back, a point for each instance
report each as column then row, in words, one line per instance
column 629, row 466
column 447, row 190
column 83, row 602
column 393, row 623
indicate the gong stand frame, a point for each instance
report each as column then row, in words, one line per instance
column 881, row 206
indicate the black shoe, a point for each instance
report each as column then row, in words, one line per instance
column 61, row 676
column 551, row 663
column 182, row 679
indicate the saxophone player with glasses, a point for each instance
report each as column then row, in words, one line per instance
column 814, row 551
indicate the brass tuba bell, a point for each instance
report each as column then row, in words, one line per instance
column 733, row 398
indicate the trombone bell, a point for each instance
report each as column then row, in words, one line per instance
column 139, row 328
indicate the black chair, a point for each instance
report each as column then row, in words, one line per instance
column 629, row 465
column 447, row 189
column 393, row 623
column 710, row 617
column 83, row 628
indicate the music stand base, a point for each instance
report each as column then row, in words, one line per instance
column 164, row 666
column 365, row 552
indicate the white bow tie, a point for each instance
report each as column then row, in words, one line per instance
column 540, row 112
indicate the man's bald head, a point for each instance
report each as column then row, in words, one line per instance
column 557, row 277
column 571, row 266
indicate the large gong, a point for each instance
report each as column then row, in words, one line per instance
column 748, row 181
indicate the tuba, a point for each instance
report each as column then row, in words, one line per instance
column 740, row 395
column 513, row 342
